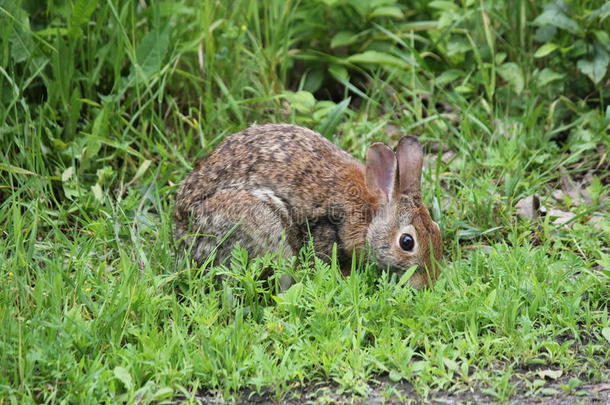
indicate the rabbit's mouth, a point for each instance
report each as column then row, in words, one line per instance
column 418, row 279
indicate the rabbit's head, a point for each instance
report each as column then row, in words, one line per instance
column 401, row 233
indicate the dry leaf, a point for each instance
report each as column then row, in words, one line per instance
column 600, row 387
column 576, row 191
column 528, row 207
column 596, row 221
column 561, row 217
column 558, row 195
column 576, row 197
column 587, row 178
column 430, row 161
column 552, row 374
column 391, row 130
column 434, row 147
column 568, row 186
column 447, row 156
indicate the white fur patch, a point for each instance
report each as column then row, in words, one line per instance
column 267, row 195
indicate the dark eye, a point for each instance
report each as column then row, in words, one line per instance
column 406, row 242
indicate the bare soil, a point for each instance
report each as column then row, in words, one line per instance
column 384, row 391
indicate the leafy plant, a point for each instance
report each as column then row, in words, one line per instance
column 347, row 37
column 574, row 43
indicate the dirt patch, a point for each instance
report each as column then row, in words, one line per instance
column 385, row 391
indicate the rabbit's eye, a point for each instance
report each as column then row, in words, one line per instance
column 406, row 242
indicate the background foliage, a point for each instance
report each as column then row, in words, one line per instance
column 106, row 104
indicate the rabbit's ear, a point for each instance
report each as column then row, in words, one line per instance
column 381, row 171
column 410, row 157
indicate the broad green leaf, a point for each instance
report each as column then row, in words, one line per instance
column 362, row 7
column 292, row 296
column 547, row 76
column 100, row 124
column 418, row 366
column 141, row 170
column 20, row 37
column 558, row 19
column 464, row 89
column 67, row 174
column 606, row 334
column 545, row 33
column 443, row 5
column 98, row 193
column 451, row 364
column 338, row 72
column 458, row 46
column 52, row 32
column 123, row 375
column 500, row 58
column 329, row 125
column 163, row 393
column 378, row 58
column 448, row 76
column 151, row 52
column 395, row 375
column 104, row 174
column 388, row 11
column 343, row 38
column 512, row 73
column 89, row 151
column 323, row 109
column 602, row 37
column 601, row 13
column 302, row 101
column 81, row 12
column 490, row 300
column 313, row 80
column 596, row 67
column 545, row 50
column 172, row 8
column 419, row 26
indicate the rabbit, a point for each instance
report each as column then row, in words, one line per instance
column 271, row 187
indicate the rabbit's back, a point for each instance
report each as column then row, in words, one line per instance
column 277, row 181
column 288, row 162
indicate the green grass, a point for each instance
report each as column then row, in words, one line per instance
column 105, row 106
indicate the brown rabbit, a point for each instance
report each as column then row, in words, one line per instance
column 271, row 187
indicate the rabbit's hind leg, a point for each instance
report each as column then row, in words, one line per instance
column 254, row 219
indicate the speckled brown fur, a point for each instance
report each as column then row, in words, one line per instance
column 270, row 187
